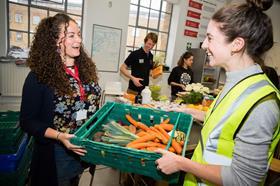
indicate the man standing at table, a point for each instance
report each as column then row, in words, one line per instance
column 141, row 62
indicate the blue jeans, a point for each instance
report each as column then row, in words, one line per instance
column 68, row 165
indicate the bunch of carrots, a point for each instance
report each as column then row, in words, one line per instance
column 153, row 137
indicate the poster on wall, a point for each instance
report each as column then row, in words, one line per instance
column 106, row 47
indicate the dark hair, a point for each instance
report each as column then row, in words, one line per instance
column 45, row 60
column 185, row 55
column 152, row 36
column 249, row 22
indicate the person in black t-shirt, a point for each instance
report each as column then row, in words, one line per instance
column 181, row 75
column 141, row 62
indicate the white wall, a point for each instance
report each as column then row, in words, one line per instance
column 274, row 13
column 99, row 12
column 3, row 28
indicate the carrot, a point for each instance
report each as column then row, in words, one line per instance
column 141, row 133
column 167, row 127
column 137, row 145
column 171, row 149
column 136, row 124
column 160, row 135
column 176, row 146
column 153, row 144
column 174, row 143
column 156, row 140
column 165, row 121
column 154, row 133
column 147, row 137
column 162, row 131
column 132, row 129
column 152, row 148
column 182, row 143
column 145, row 145
column 143, row 126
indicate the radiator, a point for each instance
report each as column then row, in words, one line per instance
column 12, row 78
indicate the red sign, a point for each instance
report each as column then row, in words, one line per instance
column 195, row 4
column 190, row 33
column 193, row 14
column 192, row 24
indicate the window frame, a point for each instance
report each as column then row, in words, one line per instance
column 29, row 5
column 155, row 50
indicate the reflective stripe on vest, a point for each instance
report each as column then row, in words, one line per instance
column 214, row 137
column 221, row 122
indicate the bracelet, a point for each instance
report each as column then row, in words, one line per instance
column 58, row 136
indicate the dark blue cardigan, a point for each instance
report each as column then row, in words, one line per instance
column 36, row 115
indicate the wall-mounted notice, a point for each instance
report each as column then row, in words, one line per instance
column 195, row 4
column 193, row 14
column 106, row 46
column 190, row 33
column 193, row 24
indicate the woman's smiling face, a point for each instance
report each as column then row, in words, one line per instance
column 217, row 48
column 71, row 42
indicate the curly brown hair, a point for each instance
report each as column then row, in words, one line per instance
column 45, row 61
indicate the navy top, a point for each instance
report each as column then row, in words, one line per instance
column 40, row 110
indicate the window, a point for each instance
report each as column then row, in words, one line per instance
column 18, row 36
column 36, row 20
column 18, row 18
column 149, row 16
column 24, row 16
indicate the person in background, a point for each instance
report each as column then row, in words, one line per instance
column 59, row 94
column 141, row 62
column 242, row 127
column 181, row 75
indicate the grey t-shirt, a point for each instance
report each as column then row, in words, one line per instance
column 249, row 162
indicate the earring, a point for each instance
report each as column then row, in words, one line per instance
column 58, row 50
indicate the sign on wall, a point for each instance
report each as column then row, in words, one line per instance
column 198, row 15
column 106, row 47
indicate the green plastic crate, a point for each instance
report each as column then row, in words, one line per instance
column 127, row 159
column 19, row 177
column 10, row 132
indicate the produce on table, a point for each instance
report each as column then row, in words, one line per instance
column 155, row 89
column 198, row 107
column 195, row 93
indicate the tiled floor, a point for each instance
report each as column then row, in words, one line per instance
column 104, row 176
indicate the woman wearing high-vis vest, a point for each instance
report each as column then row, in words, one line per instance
column 242, row 128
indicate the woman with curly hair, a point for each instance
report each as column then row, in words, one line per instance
column 60, row 93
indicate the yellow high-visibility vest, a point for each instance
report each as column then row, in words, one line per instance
column 222, row 122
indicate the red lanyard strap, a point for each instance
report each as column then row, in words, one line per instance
column 76, row 77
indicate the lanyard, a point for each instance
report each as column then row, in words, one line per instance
column 76, row 76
